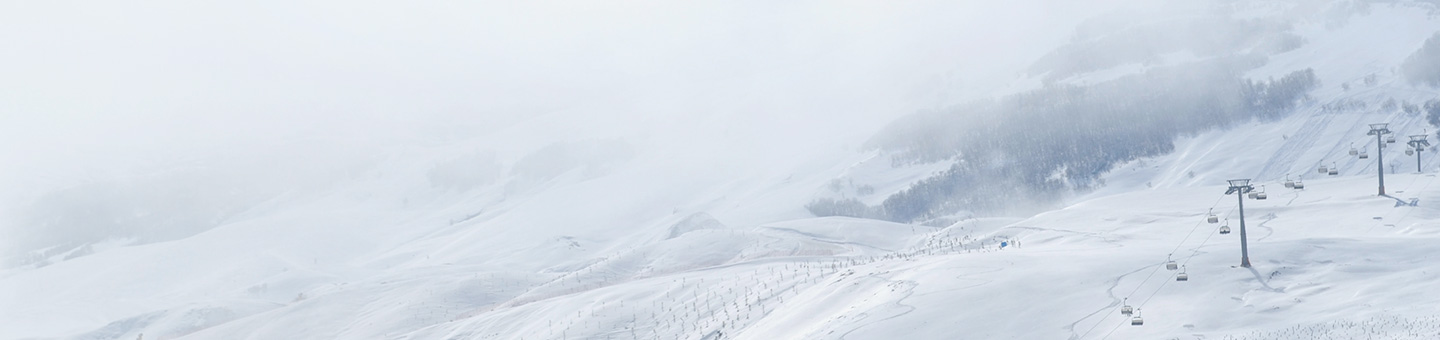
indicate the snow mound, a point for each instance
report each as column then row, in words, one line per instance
column 695, row 222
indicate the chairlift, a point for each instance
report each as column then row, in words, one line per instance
column 1137, row 321
column 1224, row 230
column 1253, row 194
column 1390, row 139
column 1126, row 310
column 1409, row 152
column 1334, row 170
column 1182, row 276
column 1364, row 155
column 1420, row 148
column 1260, row 195
column 1299, row 185
column 1323, row 170
column 1212, row 218
column 1289, row 184
column 1353, row 150
column 1170, row 264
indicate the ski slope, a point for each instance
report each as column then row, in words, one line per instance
column 1332, row 253
column 674, row 240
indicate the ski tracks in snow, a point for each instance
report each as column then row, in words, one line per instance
column 901, row 308
column 1295, row 146
column 1115, row 301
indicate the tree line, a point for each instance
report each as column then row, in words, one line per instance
column 1032, row 148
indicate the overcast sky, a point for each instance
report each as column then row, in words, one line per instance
column 90, row 90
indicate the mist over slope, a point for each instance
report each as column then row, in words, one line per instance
column 663, row 179
column 1123, row 91
column 281, row 106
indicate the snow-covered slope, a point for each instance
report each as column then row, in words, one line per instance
column 1333, row 252
column 1356, row 63
column 604, row 239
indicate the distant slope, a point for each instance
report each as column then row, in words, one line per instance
column 517, row 236
column 1095, row 129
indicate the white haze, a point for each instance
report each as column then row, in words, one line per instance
column 283, row 95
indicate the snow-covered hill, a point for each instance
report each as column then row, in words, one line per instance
column 555, row 231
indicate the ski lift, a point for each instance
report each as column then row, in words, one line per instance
column 1253, row 195
column 1170, row 264
column 1335, row 170
column 1409, row 152
column 1137, row 321
column 1390, row 139
column 1420, row 148
column 1353, row 151
column 1225, row 229
column 1212, row 218
column 1323, row 170
column 1182, row 276
column 1126, row 310
column 1364, row 155
column 1261, row 194
column 1289, row 184
column 1299, row 185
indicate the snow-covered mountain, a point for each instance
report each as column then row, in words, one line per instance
column 544, row 229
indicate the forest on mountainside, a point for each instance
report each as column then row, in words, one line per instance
column 1037, row 145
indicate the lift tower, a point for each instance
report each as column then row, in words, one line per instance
column 1240, row 187
column 1418, row 143
column 1379, row 130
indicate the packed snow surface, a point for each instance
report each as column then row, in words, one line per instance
column 613, row 241
column 1331, row 259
